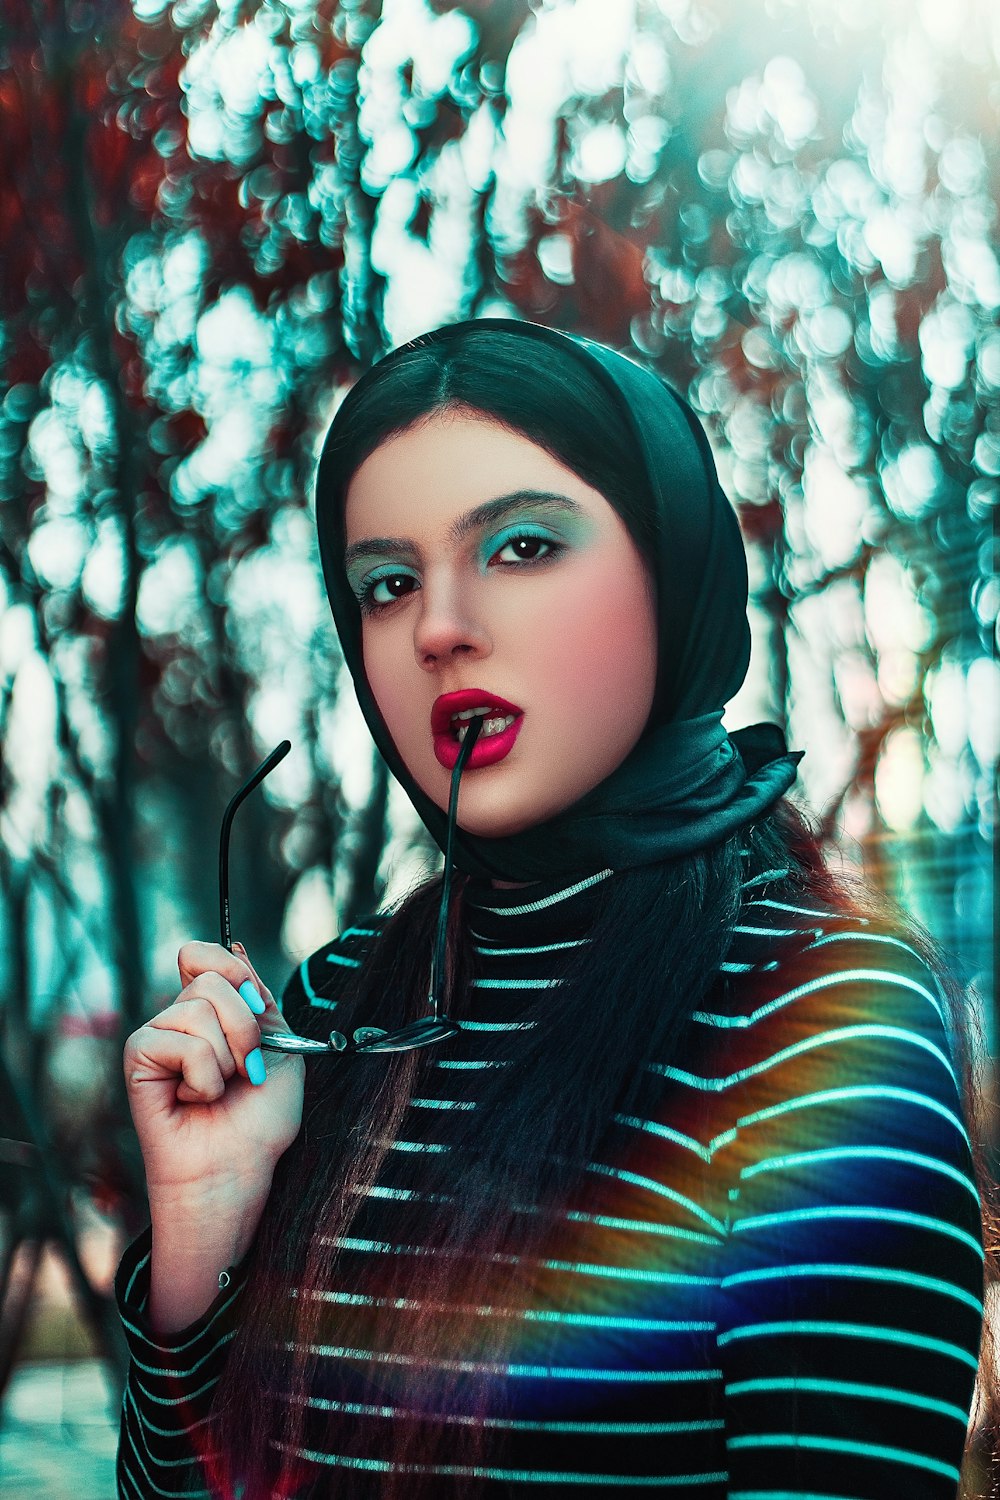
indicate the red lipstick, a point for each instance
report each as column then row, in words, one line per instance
column 488, row 748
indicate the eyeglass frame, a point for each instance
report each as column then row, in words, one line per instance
column 429, row 1029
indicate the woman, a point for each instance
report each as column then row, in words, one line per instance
column 690, row 1200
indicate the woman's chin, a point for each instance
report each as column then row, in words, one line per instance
column 492, row 828
column 496, row 824
column 481, row 821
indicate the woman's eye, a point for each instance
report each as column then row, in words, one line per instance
column 531, row 541
column 377, row 594
column 371, row 601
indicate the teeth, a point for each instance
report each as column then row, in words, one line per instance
column 470, row 713
column 491, row 726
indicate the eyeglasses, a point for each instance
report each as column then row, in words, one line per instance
column 434, row 1027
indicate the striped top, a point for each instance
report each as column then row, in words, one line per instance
column 772, row 1287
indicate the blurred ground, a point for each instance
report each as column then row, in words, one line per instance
column 58, row 1433
column 59, row 1414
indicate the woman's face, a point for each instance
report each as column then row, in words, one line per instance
column 543, row 601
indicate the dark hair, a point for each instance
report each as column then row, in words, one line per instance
column 657, row 942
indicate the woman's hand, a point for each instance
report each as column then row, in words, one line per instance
column 206, row 1123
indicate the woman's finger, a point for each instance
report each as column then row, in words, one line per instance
column 196, row 1015
column 154, row 1054
column 231, row 1014
column 197, row 958
column 265, row 993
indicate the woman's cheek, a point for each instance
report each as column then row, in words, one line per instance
column 591, row 651
column 608, row 652
column 385, row 671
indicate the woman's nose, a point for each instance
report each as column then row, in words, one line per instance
column 447, row 624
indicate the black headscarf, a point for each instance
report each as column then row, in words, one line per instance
column 687, row 782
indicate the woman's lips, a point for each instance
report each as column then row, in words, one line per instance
column 487, row 749
column 453, row 703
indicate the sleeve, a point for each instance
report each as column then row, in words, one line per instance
column 851, row 1300
column 169, row 1384
column 163, row 1448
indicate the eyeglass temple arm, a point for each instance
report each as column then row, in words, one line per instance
column 440, row 945
column 264, row 769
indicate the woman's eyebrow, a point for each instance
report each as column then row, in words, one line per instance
column 462, row 526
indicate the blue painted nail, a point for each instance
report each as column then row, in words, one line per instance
column 251, row 994
column 255, row 1066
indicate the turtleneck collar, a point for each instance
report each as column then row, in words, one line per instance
column 563, row 909
column 546, row 911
